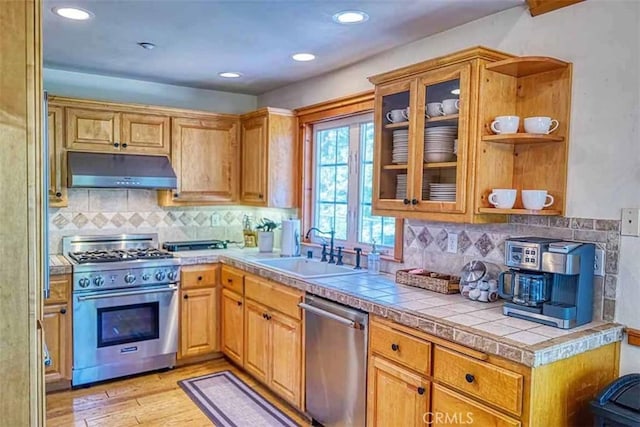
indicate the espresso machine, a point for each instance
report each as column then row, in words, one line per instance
column 551, row 281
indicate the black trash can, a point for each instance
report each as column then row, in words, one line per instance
column 618, row 405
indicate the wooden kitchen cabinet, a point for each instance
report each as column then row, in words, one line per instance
column 57, row 321
column 205, row 157
column 57, row 162
column 198, row 323
column 268, row 158
column 286, row 351
column 396, row 396
column 232, row 328
column 257, row 341
column 414, row 176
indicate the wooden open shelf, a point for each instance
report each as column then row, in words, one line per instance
column 401, row 166
column 543, row 212
column 526, row 65
column 442, row 118
column 440, row 165
column 399, row 125
column 522, row 138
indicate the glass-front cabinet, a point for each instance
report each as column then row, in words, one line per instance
column 422, row 142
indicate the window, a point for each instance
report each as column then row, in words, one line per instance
column 342, row 183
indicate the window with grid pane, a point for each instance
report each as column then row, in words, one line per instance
column 343, row 178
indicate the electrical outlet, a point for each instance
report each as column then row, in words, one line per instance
column 598, row 263
column 452, row 243
column 630, row 224
column 215, row 219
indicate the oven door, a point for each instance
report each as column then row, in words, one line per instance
column 124, row 326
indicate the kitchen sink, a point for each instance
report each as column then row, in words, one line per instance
column 308, row 268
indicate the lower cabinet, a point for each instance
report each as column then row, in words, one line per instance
column 58, row 333
column 396, row 396
column 198, row 322
column 257, row 341
column 232, row 336
column 286, row 354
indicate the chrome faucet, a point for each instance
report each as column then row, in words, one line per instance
column 331, row 233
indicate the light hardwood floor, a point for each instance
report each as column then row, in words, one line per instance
column 150, row 400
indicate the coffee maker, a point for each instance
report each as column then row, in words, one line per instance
column 551, row 281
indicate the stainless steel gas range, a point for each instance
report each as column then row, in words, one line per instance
column 125, row 306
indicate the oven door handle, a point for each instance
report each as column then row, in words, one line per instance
column 126, row 294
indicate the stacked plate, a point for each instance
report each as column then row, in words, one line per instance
column 400, row 152
column 401, row 186
column 439, row 143
column 442, row 192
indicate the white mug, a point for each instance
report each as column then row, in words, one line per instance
column 535, row 200
column 540, row 125
column 450, row 106
column 434, row 109
column 395, row 116
column 503, row 198
column 505, row 124
column 484, row 296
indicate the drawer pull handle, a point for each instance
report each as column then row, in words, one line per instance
column 63, row 311
column 229, row 280
column 421, row 390
column 395, row 347
column 470, row 378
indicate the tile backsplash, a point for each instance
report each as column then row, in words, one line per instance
column 106, row 211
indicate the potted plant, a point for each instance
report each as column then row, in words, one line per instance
column 265, row 234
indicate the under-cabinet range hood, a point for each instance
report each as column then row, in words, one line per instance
column 98, row 170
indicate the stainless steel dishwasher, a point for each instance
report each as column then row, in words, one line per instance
column 336, row 362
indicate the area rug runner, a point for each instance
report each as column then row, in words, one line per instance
column 229, row 402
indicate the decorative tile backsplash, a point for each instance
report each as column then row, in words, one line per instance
column 97, row 211
column 425, row 246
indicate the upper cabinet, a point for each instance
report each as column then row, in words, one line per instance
column 57, row 163
column 268, row 158
column 205, row 156
column 435, row 154
column 110, row 130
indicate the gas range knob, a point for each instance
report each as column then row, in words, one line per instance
column 84, row 282
column 129, row 278
column 146, row 276
column 172, row 275
column 160, row 275
column 98, row 281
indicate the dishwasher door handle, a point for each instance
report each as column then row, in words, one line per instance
column 323, row 313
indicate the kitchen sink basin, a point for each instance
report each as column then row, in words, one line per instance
column 308, row 268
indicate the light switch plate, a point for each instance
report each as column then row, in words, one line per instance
column 630, row 224
column 598, row 263
column 215, row 219
column 452, row 243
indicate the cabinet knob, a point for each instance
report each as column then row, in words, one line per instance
column 124, row 145
column 58, row 194
column 260, row 196
column 421, row 390
column 199, row 278
column 395, row 347
column 406, row 201
column 175, row 195
column 470, row 378
column 239, row 303
column 63, row 311
column 414, row 201
column 116, row 144
column 229, row 280
column 186, row 297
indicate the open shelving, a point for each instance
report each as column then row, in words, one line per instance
column 522, row 138
column 542, row 212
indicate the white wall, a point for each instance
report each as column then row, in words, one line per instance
column 602, row 39
column 105, row 88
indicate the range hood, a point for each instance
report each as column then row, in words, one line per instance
column 98, row 170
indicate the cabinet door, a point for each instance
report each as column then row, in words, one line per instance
column 256, row 340
column 92, row 130
column 450, row 408
column 232, row 309
column 57, row 163
column 441, row 139
column 57, row 336
column 204, row 154
column 198, row 324
column 396, row 396
column 145, row 133
column 395, row 132
column 286, row 353
column 254, row 161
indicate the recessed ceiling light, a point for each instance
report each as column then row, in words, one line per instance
column 147, row 45
column 74, row 13
column 303, row 57
column 456, row 91
column 230, row 75
column 350, row 17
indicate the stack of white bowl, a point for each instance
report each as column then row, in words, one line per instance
column 400, row 152
column 439, row 143
column 442, row 192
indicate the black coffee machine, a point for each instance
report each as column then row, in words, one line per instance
column 551, row 281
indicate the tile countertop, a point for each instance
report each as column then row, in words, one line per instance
column 58, row 264
column 477, row 325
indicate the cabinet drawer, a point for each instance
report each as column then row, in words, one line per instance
column 277, row 297
column 59, row 286
column 232, row 279
column 409, row 351
column 199, row 276
column 451, row 408
column 489, row 383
